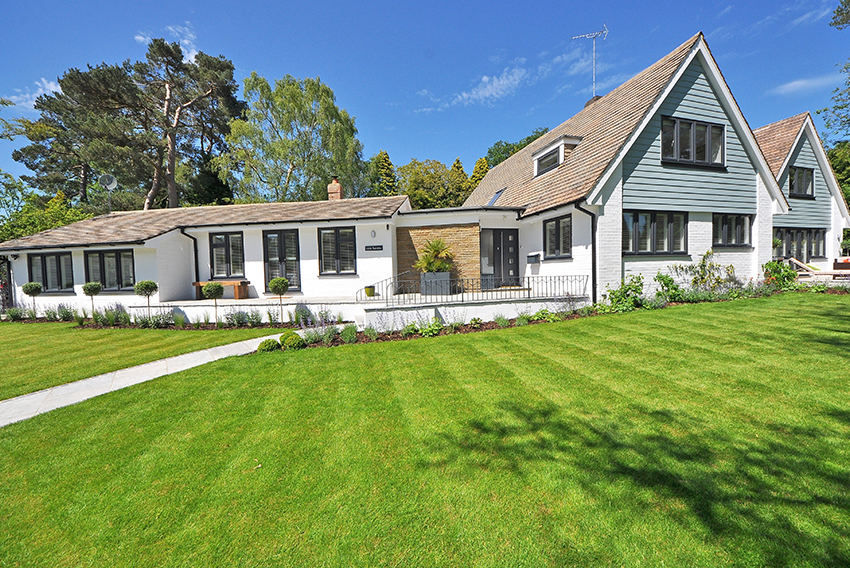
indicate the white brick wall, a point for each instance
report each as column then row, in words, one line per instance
column 609, row 234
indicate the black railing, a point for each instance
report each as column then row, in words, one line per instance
column 413, row 289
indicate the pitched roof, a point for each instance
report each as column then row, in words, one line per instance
column 776, row 139
column 603, row 126
column 131, row 227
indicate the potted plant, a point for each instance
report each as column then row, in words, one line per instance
column 435, row 263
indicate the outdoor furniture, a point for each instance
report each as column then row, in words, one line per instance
column 808, row 272
column 240, row 288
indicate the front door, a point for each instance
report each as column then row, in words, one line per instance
column 499, row 257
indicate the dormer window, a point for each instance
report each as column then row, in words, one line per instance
column 549, row 157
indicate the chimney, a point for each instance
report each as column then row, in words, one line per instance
column 334, row 189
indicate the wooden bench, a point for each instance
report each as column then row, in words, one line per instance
column 240, row 288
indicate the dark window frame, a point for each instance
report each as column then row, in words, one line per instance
column 693, row 161
column 816, row 239
column 556, row 152
column 653, row 246
column 100, row 254
column 724, row 236
column 794, row 182
column 558, row 253
column 336, row 231
column 280, row 233
column 227, row 260
column 42, row 258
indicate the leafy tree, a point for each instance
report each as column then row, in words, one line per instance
column 92, row 289
column 837, row 117
column 501, row 150
column 458, row 186
column 202, row 185
column 32, row 289
column 213, row 291
column 279, row 287
column 292, row 140
column 33, row 217
column 425, row 183
column 839, row 158
column 382, row 177
column 478, row 172
column 146, row 288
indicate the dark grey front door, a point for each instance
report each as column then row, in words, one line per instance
column 500, row 257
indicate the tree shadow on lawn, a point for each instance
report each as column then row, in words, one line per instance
column 754, row 493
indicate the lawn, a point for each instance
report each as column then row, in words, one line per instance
column 703, row 435
column 42, row 355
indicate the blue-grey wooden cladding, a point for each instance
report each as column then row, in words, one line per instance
column 649, row 184
column 805, row 213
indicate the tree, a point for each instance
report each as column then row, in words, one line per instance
column 425, row 183
column 279, row 287
column 478, row 172
column 213, row 291
column 382, row 176
column 839, row 158
column 146, row 288
column 501, row 150
column 458, row 186
column 33, row 217
column 292, row 140
column 92, row 289
column 837, row 117
column 202, row 185
column 32, row 289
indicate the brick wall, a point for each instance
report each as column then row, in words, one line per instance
column 464, row 241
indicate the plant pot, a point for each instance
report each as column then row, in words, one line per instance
column 435, row 283
column 370, row 291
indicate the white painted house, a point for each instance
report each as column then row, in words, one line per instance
column 657, row 172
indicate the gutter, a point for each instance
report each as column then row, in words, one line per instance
column 195, row 246
column 593, row 247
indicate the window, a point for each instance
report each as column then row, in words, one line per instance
column 280, row 249
column 558, row 237
column 496, row 197
column 802, row 244
column 801, row 182
column 548, row 161
column 337, row 251
column 227, row 258
column 55, row 272
column 731, row 230
column 691, row 142
column 113, row 269
column 654, row 232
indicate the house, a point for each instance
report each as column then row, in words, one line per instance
column 812, row 230
column 655, row 173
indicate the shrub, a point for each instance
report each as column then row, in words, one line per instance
column 409, row 330
column 65, row 313
column 237, row 318
column 32, row 289
column 180, row 320
column 255, row 318
column 545, row 315
column 779, row 274
column 156, row 321
column 475, row 323
column 213, row 291
column 370, row 332
column 431, row 329
column 146, row 288
column 627, row 297
column 268, row 345
column 818, row 288
column 31, row 314
column 312, row 336
column 329, row 335
column 279, row 287
column 99, row 318
column 349, row 333
column 15, row 314
column 92, row 289
column 669, row 290
column 291, row 340
column 706, row 274
column 502, row 321
column 585, row 311
column 80, row 319
column 273, row 321
column 522, row 319
column 124, row 318
column 50, row 314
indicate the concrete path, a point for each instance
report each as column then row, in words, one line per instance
column 29, row 405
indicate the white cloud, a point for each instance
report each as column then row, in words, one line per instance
column 142, row 37
column 813, row 15
column 185, row 36
column 725, row 11
column 807, row 85
column 493, row 88
column 26, row 98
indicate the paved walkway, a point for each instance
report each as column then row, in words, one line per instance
column 29, row 405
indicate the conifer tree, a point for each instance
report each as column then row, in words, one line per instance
column 478, row 172
column 384, row 178
column 458, row 187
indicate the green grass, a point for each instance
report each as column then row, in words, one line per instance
column 38, row 356
column 702, row 435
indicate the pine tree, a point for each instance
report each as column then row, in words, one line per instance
column 384, row 178
column 478, row 172
column 458, row 186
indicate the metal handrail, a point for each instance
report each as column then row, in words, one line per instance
column 404, row 289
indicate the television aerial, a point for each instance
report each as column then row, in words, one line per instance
column 603, row 34
column 109, row 183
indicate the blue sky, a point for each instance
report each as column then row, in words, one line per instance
column 437, row 79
